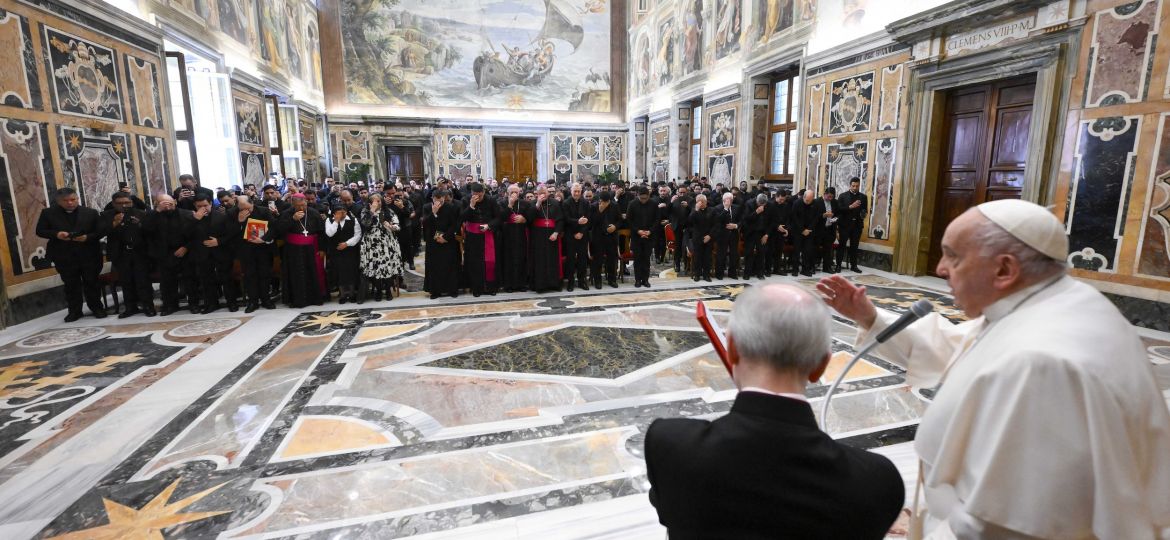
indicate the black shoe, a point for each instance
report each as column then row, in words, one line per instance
column 570, row 286
column 233, row 307
column 806, row 274
column 251, row 308
column 646, row 284
column 268, row 305
column 762, row 276
column 475, row 294
column 696, row 278
column 434, row 297
column 196, row 310
column 854, row 268
column 128, row 313
column 412, row 266
column 149, row 311
column 707, row 279
column 73, row 317
column 584, row 286
column 717, row 276
column 612, row 284
column 454, row 295
column 342, row 299
column 209, row 309
column 167, row 311
column 99, row 313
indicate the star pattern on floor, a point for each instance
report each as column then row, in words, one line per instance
column 146, row 523
column 322, row 322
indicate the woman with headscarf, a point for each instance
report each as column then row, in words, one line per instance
column 381, row 260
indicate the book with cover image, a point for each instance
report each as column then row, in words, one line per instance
column 255, row 229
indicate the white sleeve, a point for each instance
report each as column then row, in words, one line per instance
column 923, row 348
column 357, row 235
column 330, row 227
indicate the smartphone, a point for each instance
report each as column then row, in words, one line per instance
column 123, row 185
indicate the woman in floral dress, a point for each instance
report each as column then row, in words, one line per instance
column 381, row 262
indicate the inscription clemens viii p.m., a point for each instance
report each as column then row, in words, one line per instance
column 987, row 37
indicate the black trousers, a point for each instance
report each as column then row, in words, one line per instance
column 641, row 248
column 659, row 235
column 680, row 248
column 806, row 246
column 134, row 278
column 755, row 254
column 256, row 263
column 406, row 244
column 727, row 255
column 80, row 275
column 702, row 251
column 605, row 253
column 850, row 238
column 576, row 257
column 215, row 276
column 775, row 254
column 173, row 270
column 825, row 254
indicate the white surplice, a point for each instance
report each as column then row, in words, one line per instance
column 1048, row 423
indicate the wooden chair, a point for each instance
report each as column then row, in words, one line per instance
column 625, row 253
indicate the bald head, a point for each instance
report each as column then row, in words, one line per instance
column 781, row 326
column 164, row 203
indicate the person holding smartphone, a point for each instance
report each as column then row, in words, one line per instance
column 126, row 248
column 73, row 232
column 188, row 188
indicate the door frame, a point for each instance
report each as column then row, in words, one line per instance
column 1051, row 57
column 543, row 168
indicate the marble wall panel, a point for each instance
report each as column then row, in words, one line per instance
column 721, row 129
column 890, row 101
column 355, row 145
column 721, row 169
column 816, row 110
column 640, row 154
column 759, row 165
column 882, row 193
column 588, row 148
column 460, row 170
column 1122, row 51
column 562, row 147
column 308, row 133
column 1153, row 256
column 85, row 78
column 154, row 165
column 850, row 104
column 142, row 87
column 459, row 146
column 587, row 172
column 94, row 163
column 1095, row 218
column 614, row 147
column 18, row 69
column 843, row 163
column 812, row 167
column 25, row 172
column 683, row 148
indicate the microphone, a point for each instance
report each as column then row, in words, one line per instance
column 917, row 311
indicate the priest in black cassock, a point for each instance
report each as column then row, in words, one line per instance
column 481, row 219
column 302, row 273
column 440, row 225
column 576, row 213
column 604, row 218
column 702, row 226
column 545, row 240
column 512, row 264
column 641, row 216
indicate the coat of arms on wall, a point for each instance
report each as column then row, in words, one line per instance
column 849, row 108
column 85, row 79
column 587, row 148
column 458, row 147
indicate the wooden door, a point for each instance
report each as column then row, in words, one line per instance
column 515, row 158
column 985, row 150
column 407, row 162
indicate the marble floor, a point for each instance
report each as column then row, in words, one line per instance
column 514, row 416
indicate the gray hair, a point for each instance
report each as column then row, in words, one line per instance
column 761, row 199
column 790, row 334
column 1034, row 266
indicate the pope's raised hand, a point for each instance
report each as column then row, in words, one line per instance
column 848, row 299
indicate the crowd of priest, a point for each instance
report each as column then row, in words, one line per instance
column 306, row 242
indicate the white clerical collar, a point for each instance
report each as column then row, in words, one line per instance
column 800, row 397
column 1002, row 307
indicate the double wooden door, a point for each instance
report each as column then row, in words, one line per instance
column 515, row 158
column 407, row 162
column 985, row 150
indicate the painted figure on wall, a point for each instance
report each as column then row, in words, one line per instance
column 642, row 66
column 524, row 55
column 664, row 57
column 722, row 129
column 728, row 28
column 273, row 32
column 773, row 16
column 296, row 42
column 234, row 19
column 692, row 40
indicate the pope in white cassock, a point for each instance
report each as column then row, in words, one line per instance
column 1048, row 422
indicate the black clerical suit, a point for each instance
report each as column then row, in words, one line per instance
column 851, row 224
column 442, row 275
column 255, row 258
column 641, row 217
column 603, row 242
column 702, row 225
column 188, row 203
column 765, row 471
column 169, row 235
column 405, row 234
column 805, row 218
column 576, row 249
column 78, row 263
column 663, row 209
column 754, row 227
column 727, row 240
column 779, row 215
column 826, row 232
column 213, row 264
column 127, row 249
column 680, row 212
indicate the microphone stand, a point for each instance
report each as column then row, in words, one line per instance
column 841, row 377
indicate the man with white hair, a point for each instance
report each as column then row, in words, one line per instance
column 765, row 470
column 1048, row 422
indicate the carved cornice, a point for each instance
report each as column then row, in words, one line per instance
column 958, row 16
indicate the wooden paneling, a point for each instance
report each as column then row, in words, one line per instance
column 407, row 162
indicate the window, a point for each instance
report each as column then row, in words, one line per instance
column 181, row 114
column 643, row 5
column 697, row 140
column 290, row 136
column 782, row 135
column 213, row 120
